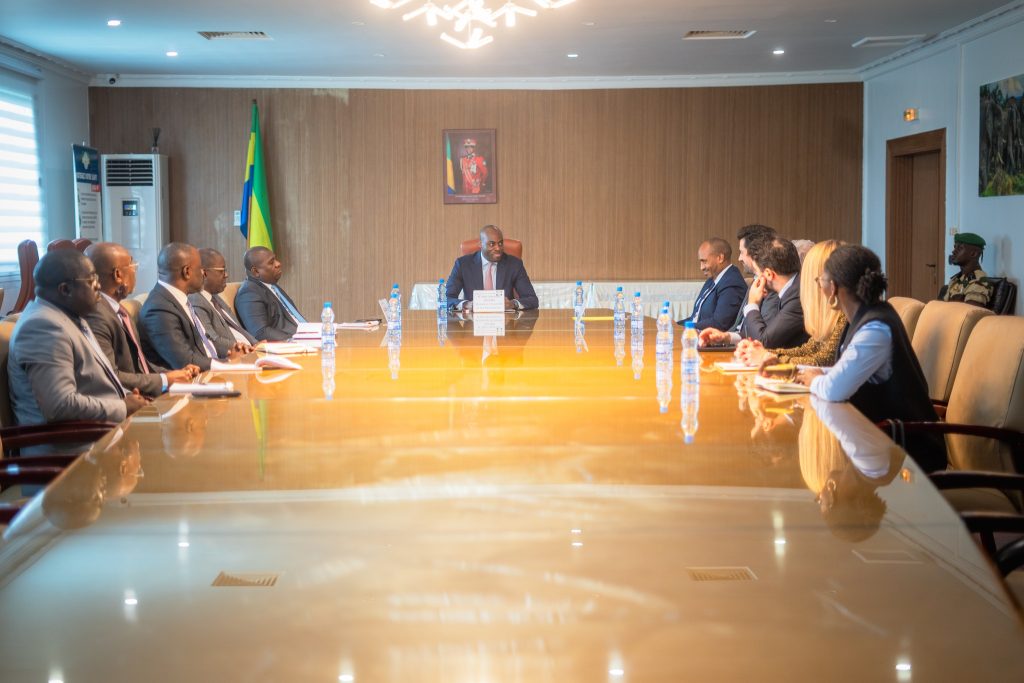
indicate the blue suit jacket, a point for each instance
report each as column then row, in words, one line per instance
column 723, row 303
column 467, row 275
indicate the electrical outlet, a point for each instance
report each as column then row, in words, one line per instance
column 238, row 219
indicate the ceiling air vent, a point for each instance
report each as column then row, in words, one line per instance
column 226, row 580
column 718, row 35
column 129, row 172
column 235, row 35
column 888, row 41
column 721, row 574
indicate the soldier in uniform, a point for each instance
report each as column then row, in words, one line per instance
column 474, row 169
column 970, row 285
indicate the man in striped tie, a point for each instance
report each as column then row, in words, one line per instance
column 57, row 370
column 263, row 307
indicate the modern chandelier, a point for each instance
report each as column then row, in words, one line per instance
column 470, row 18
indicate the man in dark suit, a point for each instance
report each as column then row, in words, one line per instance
column 172, row 334
column 213, row 312
column 264, row 309
column 721, row 297
column 490, row 268
column 56, row 369
column 113, row 327
column 776, row 322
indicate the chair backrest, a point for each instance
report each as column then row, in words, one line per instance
column 28, row 257
column 909, row 310
column 1004, row 296
column 133, row 305
column 939, row 340
column 54, row 245
column 989, row 392
column 81, row 243
column 512, row 247
column 230, row 290
column 6, row 414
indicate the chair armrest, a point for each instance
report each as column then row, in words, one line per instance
column 987, row 524
column 41, row 460
column 14, row 475
column 1010, row 557
column 74, row 431
column 966, row 479
column 1012, row 437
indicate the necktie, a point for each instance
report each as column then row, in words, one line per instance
column 289, row 308
column 489, row 280
column 207, row 344
column 229, row 319
column 700, row 301
column 101, row 358
column 126, row 323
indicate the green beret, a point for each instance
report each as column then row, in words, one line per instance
column 969, row 238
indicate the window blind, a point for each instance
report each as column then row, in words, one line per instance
column 21, row 206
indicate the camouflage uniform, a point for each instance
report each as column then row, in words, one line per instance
column 974, row 288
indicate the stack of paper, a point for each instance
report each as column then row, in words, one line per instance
column 285, row 348
column 307, row 331
column 201, row 389
column 368, row 325
column 780, row 387
column 725, row 366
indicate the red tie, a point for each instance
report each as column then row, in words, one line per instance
column 489, row 284
column 126, row 322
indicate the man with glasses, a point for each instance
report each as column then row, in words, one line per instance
column 172, row 333
column 57, row 370
column 490, row 268
column 265, row 309
column 215, row 314
column 114, row 329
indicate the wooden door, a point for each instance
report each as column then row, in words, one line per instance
column 915, row 214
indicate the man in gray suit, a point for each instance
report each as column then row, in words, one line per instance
column 114, row 329
column 263, row 307
column 213, row 312
column 172, row 333
column 57, row 369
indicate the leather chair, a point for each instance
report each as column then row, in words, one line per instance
column 940, row 337
column 133, row 305
column 909, row 310
column 81, row 243
column 512, row 247
column 1004, row 296
column 28, row 257
column 54, row 245
column 230, row 290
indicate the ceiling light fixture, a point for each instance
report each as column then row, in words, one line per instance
column 573, row 55
column 172, row 53
column 113, row 23
column 469, row 17
column 778, row 51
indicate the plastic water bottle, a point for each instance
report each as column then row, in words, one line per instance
column 328, row 340
column 395, row 291
column 442, row 300
column 620, row 349
column 637, row 317
column 579, row 331
column 689, row 357
column 394, row 355
column 665, row 339
column 619, row 310
column 636, row 351
column 578, row 305
column 394, row 313
column 663, row 381
column 327, row 372
column 689, row 397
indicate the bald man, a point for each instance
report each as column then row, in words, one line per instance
column 56, row 369
column 263, row 307
column 172, row 334
column 114, row 329
column 490, row 268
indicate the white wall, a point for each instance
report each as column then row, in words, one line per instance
column 943, row 85
column 62, row 102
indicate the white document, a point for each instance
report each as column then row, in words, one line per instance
column 263, row 363
column 285, row 348
column 307, row 331
column 735, row 367
column 488, row 301
column 200, row 389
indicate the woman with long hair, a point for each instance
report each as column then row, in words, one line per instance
column 876, row 369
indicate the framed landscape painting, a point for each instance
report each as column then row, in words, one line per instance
column 1001, row 144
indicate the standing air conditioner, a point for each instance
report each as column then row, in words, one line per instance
column 136, row 208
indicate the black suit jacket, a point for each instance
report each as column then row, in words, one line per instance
column 216, row 327
column 723, row 303
column 467, row 276
column 780, row 322
column 121, row 353
column 168, row 334
column 261, row 313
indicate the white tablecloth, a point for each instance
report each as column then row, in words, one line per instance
column 679, row 293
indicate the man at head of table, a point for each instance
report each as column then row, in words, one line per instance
column 490, row 268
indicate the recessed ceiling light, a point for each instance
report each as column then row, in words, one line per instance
column 589, row 24
column 379, row 54
column 113, row 23
column 172, row 53
column 359, row 23
column 573, row 55
column 778, row 51
column 831, row 21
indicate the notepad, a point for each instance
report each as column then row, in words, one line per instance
column 262, row 363
column 201, row 389
column 726, row 366
column 285, row 348
column 369, row 325
column 779, row 387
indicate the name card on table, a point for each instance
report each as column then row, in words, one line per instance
column 488, row 324
column 488, row 301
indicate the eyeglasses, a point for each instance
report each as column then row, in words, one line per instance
column 134, row 265
column 93, row 279
column 223, row 270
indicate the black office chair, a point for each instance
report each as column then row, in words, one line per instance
column 1004, row 296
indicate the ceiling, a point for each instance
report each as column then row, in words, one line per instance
column 354, row 39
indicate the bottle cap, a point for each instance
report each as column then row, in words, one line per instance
column 618, row 289
column 579, row 282
column 637, row 294
column 440, row 281
column 394, row 286
column 394, row 295
column 689, row 325
column 327, row 304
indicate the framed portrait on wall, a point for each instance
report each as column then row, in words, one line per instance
column 470, row 167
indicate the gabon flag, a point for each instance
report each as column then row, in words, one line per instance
column 255, row 223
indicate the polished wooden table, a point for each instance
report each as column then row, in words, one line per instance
column 526, row 507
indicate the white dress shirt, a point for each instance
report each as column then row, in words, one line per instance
column 116, row 306
column 237, row 335
column 735, row 337
column 867, row 358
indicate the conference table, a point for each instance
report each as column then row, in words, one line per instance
column 467, row 505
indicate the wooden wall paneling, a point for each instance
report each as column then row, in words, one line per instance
column 597, row 183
